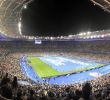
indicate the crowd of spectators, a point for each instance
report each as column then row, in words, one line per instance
column 93, row 90
column 11, row 73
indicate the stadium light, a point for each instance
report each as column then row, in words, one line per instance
column 19, row 28
column 51, row 38
column 88, row 33
column 25, row 6
column 91, row 37
column 84, row 33
column 70, row 36
column 80, row 34
column 20, row 19
column 102, row 36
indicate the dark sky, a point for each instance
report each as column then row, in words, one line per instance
column 63, row 17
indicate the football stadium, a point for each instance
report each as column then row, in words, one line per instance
column 73, row 67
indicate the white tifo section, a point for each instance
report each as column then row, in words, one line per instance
column 57, row 62
column 61, row 61
column 75, row 61
column 95, row 74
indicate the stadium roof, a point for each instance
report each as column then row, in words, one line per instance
column 104, row 4
column 10, row 15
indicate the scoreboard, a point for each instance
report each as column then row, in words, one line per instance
column 38, row 41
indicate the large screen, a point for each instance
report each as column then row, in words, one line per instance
column 38, row 41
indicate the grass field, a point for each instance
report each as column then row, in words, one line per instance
column 43, row 70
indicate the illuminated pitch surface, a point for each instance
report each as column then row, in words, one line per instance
column 57, row 66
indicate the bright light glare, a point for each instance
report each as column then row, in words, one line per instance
column 88, row 33
column 25, row 6
column 19, row 27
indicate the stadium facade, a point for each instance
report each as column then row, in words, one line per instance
column 10, row 16
column 104, row 4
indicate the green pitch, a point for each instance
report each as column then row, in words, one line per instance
column 43, row 70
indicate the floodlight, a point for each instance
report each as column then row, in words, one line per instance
column 25, row 6
column 19, row 27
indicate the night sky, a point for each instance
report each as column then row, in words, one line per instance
column 63, row 17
